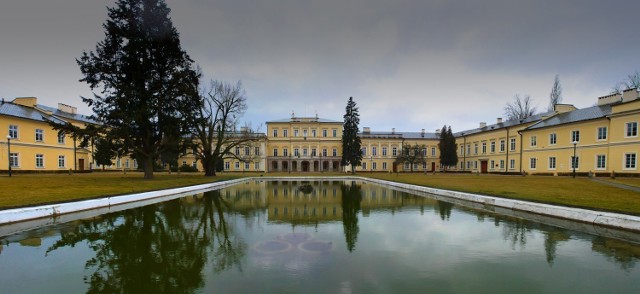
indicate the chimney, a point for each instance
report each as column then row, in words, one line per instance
column 366, row 130
column 422, row 133
column 483, row 124
column 66, row 108
column 393, row 131
column 499, row 120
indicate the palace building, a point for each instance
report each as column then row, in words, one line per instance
column 601, row 140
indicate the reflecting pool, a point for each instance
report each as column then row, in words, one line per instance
column 314, row 237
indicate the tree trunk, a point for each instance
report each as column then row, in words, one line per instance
column 209, row 166
column 148, row 168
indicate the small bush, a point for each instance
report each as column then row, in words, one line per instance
column 188, row 169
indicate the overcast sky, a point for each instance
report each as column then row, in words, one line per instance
column 408, row 64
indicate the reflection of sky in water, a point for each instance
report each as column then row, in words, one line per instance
column 422, row 246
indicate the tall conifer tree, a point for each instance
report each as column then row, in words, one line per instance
column 448, row 147
column 351, row 144
column 143, row 82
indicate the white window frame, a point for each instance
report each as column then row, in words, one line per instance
column 39, row 160
column 553, row 139
column 62, row 161
column 533, row 141
column 633, row 165
column 492, row 147
column 502, row 145
column 275, row 133
column 14, row 159
column 512, row 164
column 39, row 133
column 61, row 138
column 598, row 156
column 512, row 144
column 600, row 136
column 533, row 163
column 631, row 129
column 14, row 132
column 554, row 160
column 574, row 161
column 575, row 136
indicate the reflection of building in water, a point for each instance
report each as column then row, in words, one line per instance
column 285, row 201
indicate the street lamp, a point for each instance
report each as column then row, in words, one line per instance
column 573, row 160
column 9, row 153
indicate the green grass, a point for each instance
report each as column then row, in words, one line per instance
column 33, row 189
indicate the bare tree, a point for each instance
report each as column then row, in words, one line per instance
column 412, row 155
column 520, row 108
column 214, row 126
column 555, row 97
column 631, row 82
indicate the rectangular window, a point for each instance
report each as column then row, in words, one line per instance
column 285, row 133
column 384, row 166
column 631, row 129
column 532, row 163
column 513, row 144
column 118, row 163
column 247, row 150
column 285, row 152
column 575, row 162
column 364, row 151
column 552, row 139
column 275, row 133
column 501, row 145
column 296, row 152
column 374, row 151
column 305, row 152
column 630, row 161
column 61, row 137
column 501, row 163
column 256, row 150
column 227, row 165
column 324, row 151
column 493, row 147
column 602, row 133
column 601, row 161
column 39, row 160
column 237, row 165
column 512, row 163
column 433, row 151
column 324, row 133
column 384, row 151
column 475, row 148
column 424, row 152
column 237, row 150
column 14, row 160
column 484, row 147
column 62, row 164
column 461, row 150
column 364, row 165
column 468, row 164
column 13, row 131
column 493, row 164
column 193, row 164
column 552, row 163
column 246, row 165
column 575, row 136
column 313, row 152
column 39, row 135
column 334, row 152
column 313, row 133
column 335, row 133
column 394, row 151
column 296, row 133
column 475, row 165
column 534, row 141
column 304, row 133
column 256, row 166
column 275, row 151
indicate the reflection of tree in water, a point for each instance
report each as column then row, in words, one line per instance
column 444, row 208
column 351, row 197
column 623, row 253
column 552, row 237
column 158, row 248
column 515, row 230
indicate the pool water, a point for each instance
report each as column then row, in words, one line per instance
column 314, row 237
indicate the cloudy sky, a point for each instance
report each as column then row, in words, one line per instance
column 409, row 64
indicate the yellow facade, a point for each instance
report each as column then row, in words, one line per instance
column 34, row 145
column 605, row 136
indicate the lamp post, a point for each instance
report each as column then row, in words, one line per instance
column 371, row 167
column 9, row 153
column 573, row 160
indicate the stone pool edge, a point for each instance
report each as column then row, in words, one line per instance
column 608, row 219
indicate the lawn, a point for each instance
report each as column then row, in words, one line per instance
column 33, row 189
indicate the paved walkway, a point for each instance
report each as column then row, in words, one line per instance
column 618, row 185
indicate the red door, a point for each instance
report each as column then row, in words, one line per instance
column 483, row 167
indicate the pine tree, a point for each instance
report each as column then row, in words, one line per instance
column 143, row 82
column 448, row 147
column 351, row 144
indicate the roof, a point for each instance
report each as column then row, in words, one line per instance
column 304, row 119
column 400, row 135
column 16, row 110
column 505, row 124
column 577, row 115
column 63, row 114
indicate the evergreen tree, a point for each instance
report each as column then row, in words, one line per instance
column 448, row 147
column 143, row 82
column 105, row 152
column 351, row 145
